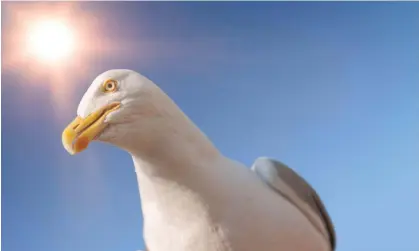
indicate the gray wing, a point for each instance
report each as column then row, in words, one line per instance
column 296, row 190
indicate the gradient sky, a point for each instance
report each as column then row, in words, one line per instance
column 331, row 89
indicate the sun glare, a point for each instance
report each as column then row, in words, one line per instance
column 50, row 40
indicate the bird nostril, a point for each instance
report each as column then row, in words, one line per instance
column 75, row 127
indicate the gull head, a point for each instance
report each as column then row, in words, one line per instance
column 119, row 107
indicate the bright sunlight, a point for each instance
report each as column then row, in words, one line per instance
column 50, row 40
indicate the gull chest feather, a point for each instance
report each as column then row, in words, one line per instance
column 176, row 219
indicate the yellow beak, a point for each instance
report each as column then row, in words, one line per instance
column 80, row 132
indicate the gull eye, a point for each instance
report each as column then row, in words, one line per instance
column 110, row 85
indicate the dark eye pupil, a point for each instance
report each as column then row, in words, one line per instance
column 110, row 86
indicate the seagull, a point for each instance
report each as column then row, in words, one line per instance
column 193, row 197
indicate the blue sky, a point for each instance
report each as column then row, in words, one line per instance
column 329, row 88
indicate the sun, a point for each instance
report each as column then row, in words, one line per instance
column 50, row 40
